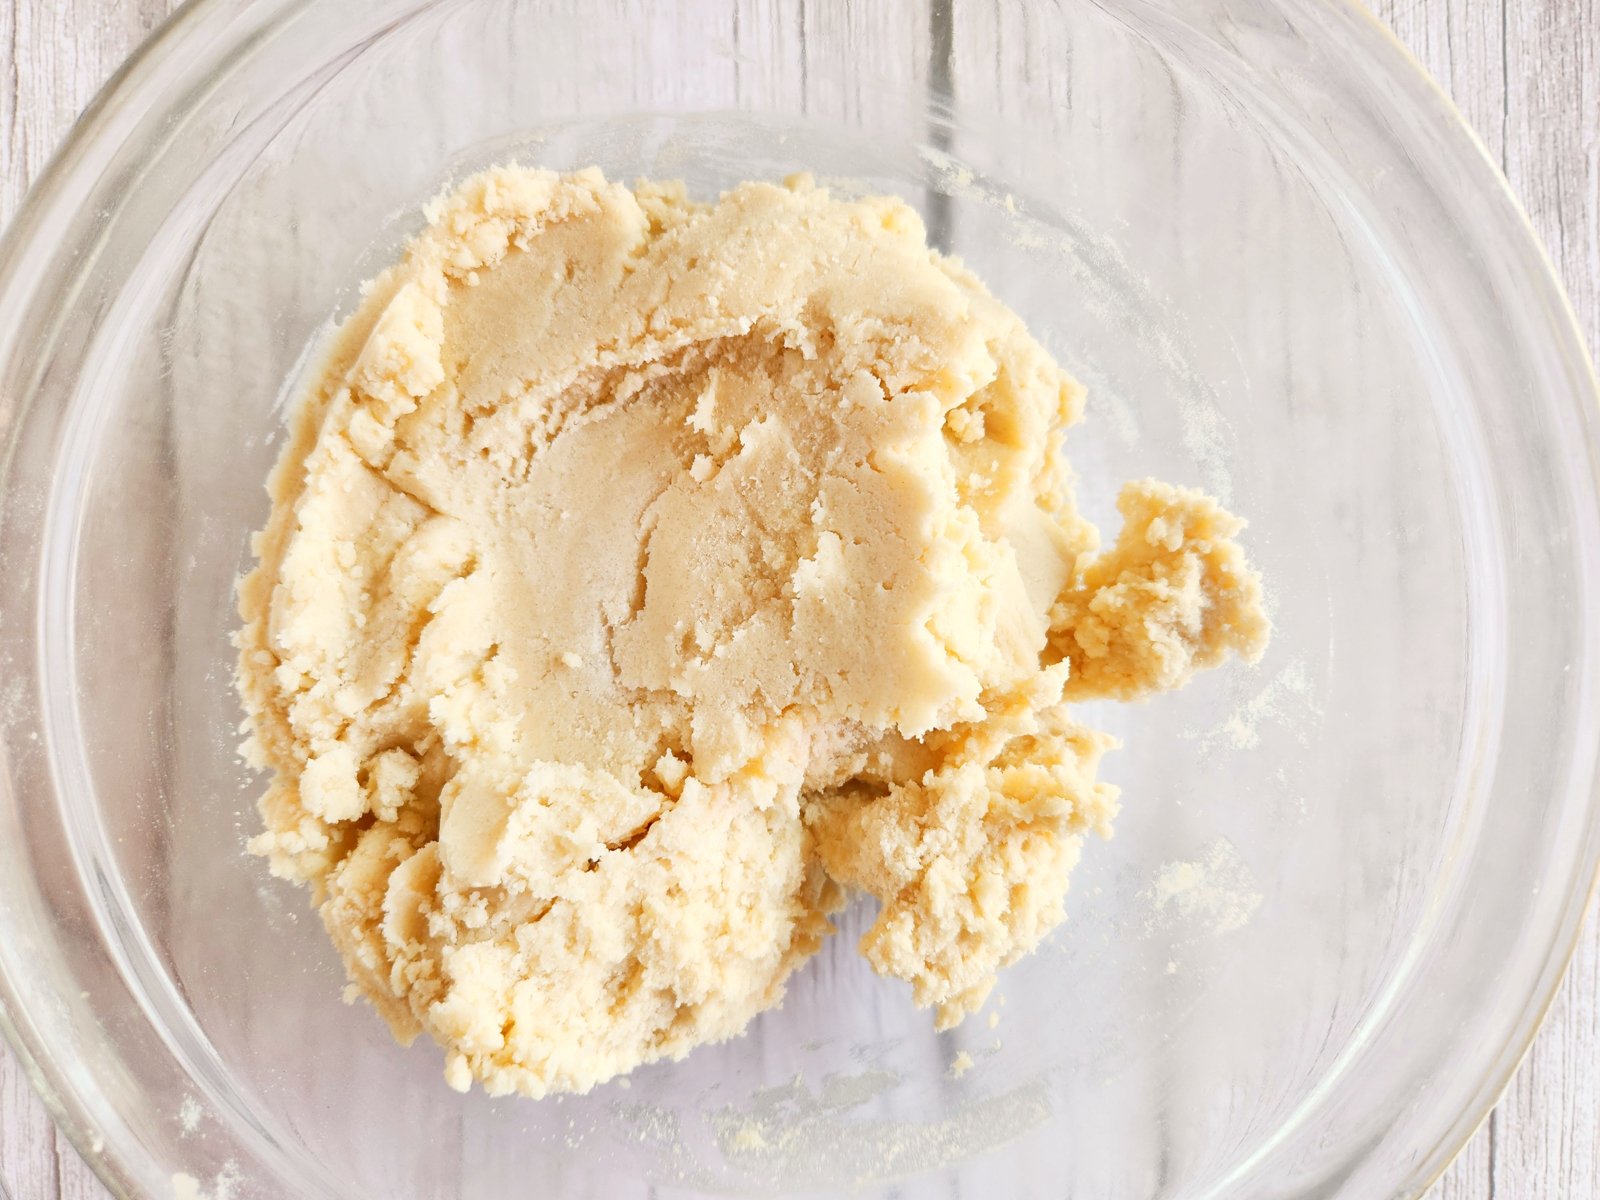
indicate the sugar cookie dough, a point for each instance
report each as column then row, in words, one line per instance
column 644, row 576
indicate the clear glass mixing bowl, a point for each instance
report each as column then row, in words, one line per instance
column 1345, row 882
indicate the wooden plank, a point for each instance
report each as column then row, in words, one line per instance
column 1550, row 1119
column 1459, row 44
column 27, row 1140
column 59, row 53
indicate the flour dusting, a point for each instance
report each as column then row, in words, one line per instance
column 223, row 1187
column 812, row 1140
column 1213, row 894
column 1286, row 700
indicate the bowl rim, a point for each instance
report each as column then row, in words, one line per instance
column 1585, row 899
column 139, row 84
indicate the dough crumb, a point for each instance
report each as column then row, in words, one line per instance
column 1172, row 596
column 795, row 484
column 749, row 1137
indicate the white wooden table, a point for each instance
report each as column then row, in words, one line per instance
column 1526, row 73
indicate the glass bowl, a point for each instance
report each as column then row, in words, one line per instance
column 1345, row 882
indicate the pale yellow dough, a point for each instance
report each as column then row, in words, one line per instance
column 643, row 575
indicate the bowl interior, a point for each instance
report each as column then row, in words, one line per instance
column 1249, row 318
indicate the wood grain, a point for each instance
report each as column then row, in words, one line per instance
column 1526, row 74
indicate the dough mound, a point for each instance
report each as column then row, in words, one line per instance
column 643, row 575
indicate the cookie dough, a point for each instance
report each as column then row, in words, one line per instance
column 645, row 576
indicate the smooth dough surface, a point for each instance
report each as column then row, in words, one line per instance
column 644, row 576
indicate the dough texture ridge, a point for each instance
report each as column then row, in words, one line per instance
column 645, row 577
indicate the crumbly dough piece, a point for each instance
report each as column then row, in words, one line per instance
column 644, row 574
